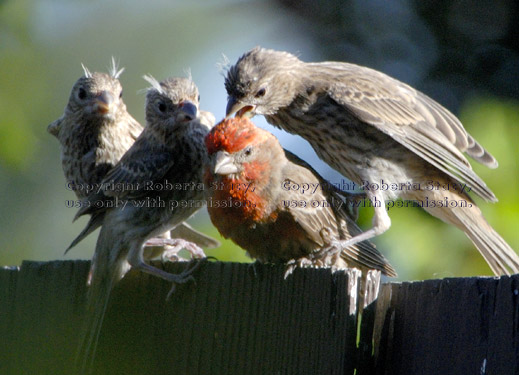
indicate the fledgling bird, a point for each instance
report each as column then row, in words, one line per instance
column 169, row 150
column 255, row 199
column 374, row 129
column 94, row 132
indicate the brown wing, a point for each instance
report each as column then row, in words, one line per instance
column 412, row 119
column 332, row 216
column 146, row 161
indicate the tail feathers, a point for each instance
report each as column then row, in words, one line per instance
column 467, row 216
column 97, row 304
column 95, row 222
column 501, row 258
column 108, row 268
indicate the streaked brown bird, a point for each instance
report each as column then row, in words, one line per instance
column 374, row 130
column 94, row 132
column 170, row 150
column 277, row 207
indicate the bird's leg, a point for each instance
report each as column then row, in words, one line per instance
column 381, row 223
column 254, row 267
column 153, row 248
column 173, row 246
column 136, row 261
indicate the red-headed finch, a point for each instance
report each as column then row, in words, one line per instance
column 378, row 132
column 162, row 178
column 276, row 206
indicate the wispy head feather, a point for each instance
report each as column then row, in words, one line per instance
column 223, row 65
column 115, row 72
column 153, row 82
column 87, row 72
column 187, row 72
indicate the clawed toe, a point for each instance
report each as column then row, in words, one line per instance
column 175, row 246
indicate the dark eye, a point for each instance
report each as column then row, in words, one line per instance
column 161, row 106
column 81, row 93
column 260, row 93
column 121, row 94
column 199, row 98
column 248, row 151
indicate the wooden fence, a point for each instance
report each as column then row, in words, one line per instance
column 241, row 320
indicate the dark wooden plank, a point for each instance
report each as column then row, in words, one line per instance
column 452, row 326
column 232, row 321
column 239, row 319
column 8, row 279
column 47, row 309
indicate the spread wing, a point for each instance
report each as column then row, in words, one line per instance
column 412, row 119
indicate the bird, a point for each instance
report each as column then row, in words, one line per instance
column 276, row 206
column 94, row 132
column 169, row 151
column 390, row 139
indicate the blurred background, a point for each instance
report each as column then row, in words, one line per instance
column 463, row 53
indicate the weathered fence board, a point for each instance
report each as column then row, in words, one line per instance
column 450, row 326
column 239, row 319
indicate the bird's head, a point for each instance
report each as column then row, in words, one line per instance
column 171, row 102
column 261, row 82
column 97, row 95
column 242, row 152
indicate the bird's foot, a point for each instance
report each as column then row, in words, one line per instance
column 174, row 246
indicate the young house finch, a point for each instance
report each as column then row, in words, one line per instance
column 276, row 206
column 94, row 133
column 378, row 132
column 162, row 176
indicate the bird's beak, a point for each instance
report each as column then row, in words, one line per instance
column 236, row 106
column 189, row 109
column 224, row 164
column 103, row 102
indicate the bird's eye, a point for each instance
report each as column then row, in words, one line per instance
column 121, row 94
column 260, row 93
column 161, row 106
column 248, row 151
column 199, row 98
column 81, row 93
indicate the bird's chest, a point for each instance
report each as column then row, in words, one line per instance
column 355, row 149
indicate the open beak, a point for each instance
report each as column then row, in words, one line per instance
column 189, row 109
column 103, row 102
column 236, row 106
column 224, row 164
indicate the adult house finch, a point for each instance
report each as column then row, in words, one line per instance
column 94, row 133
column 375, row 130
column 169, row 150
column 254, row 198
